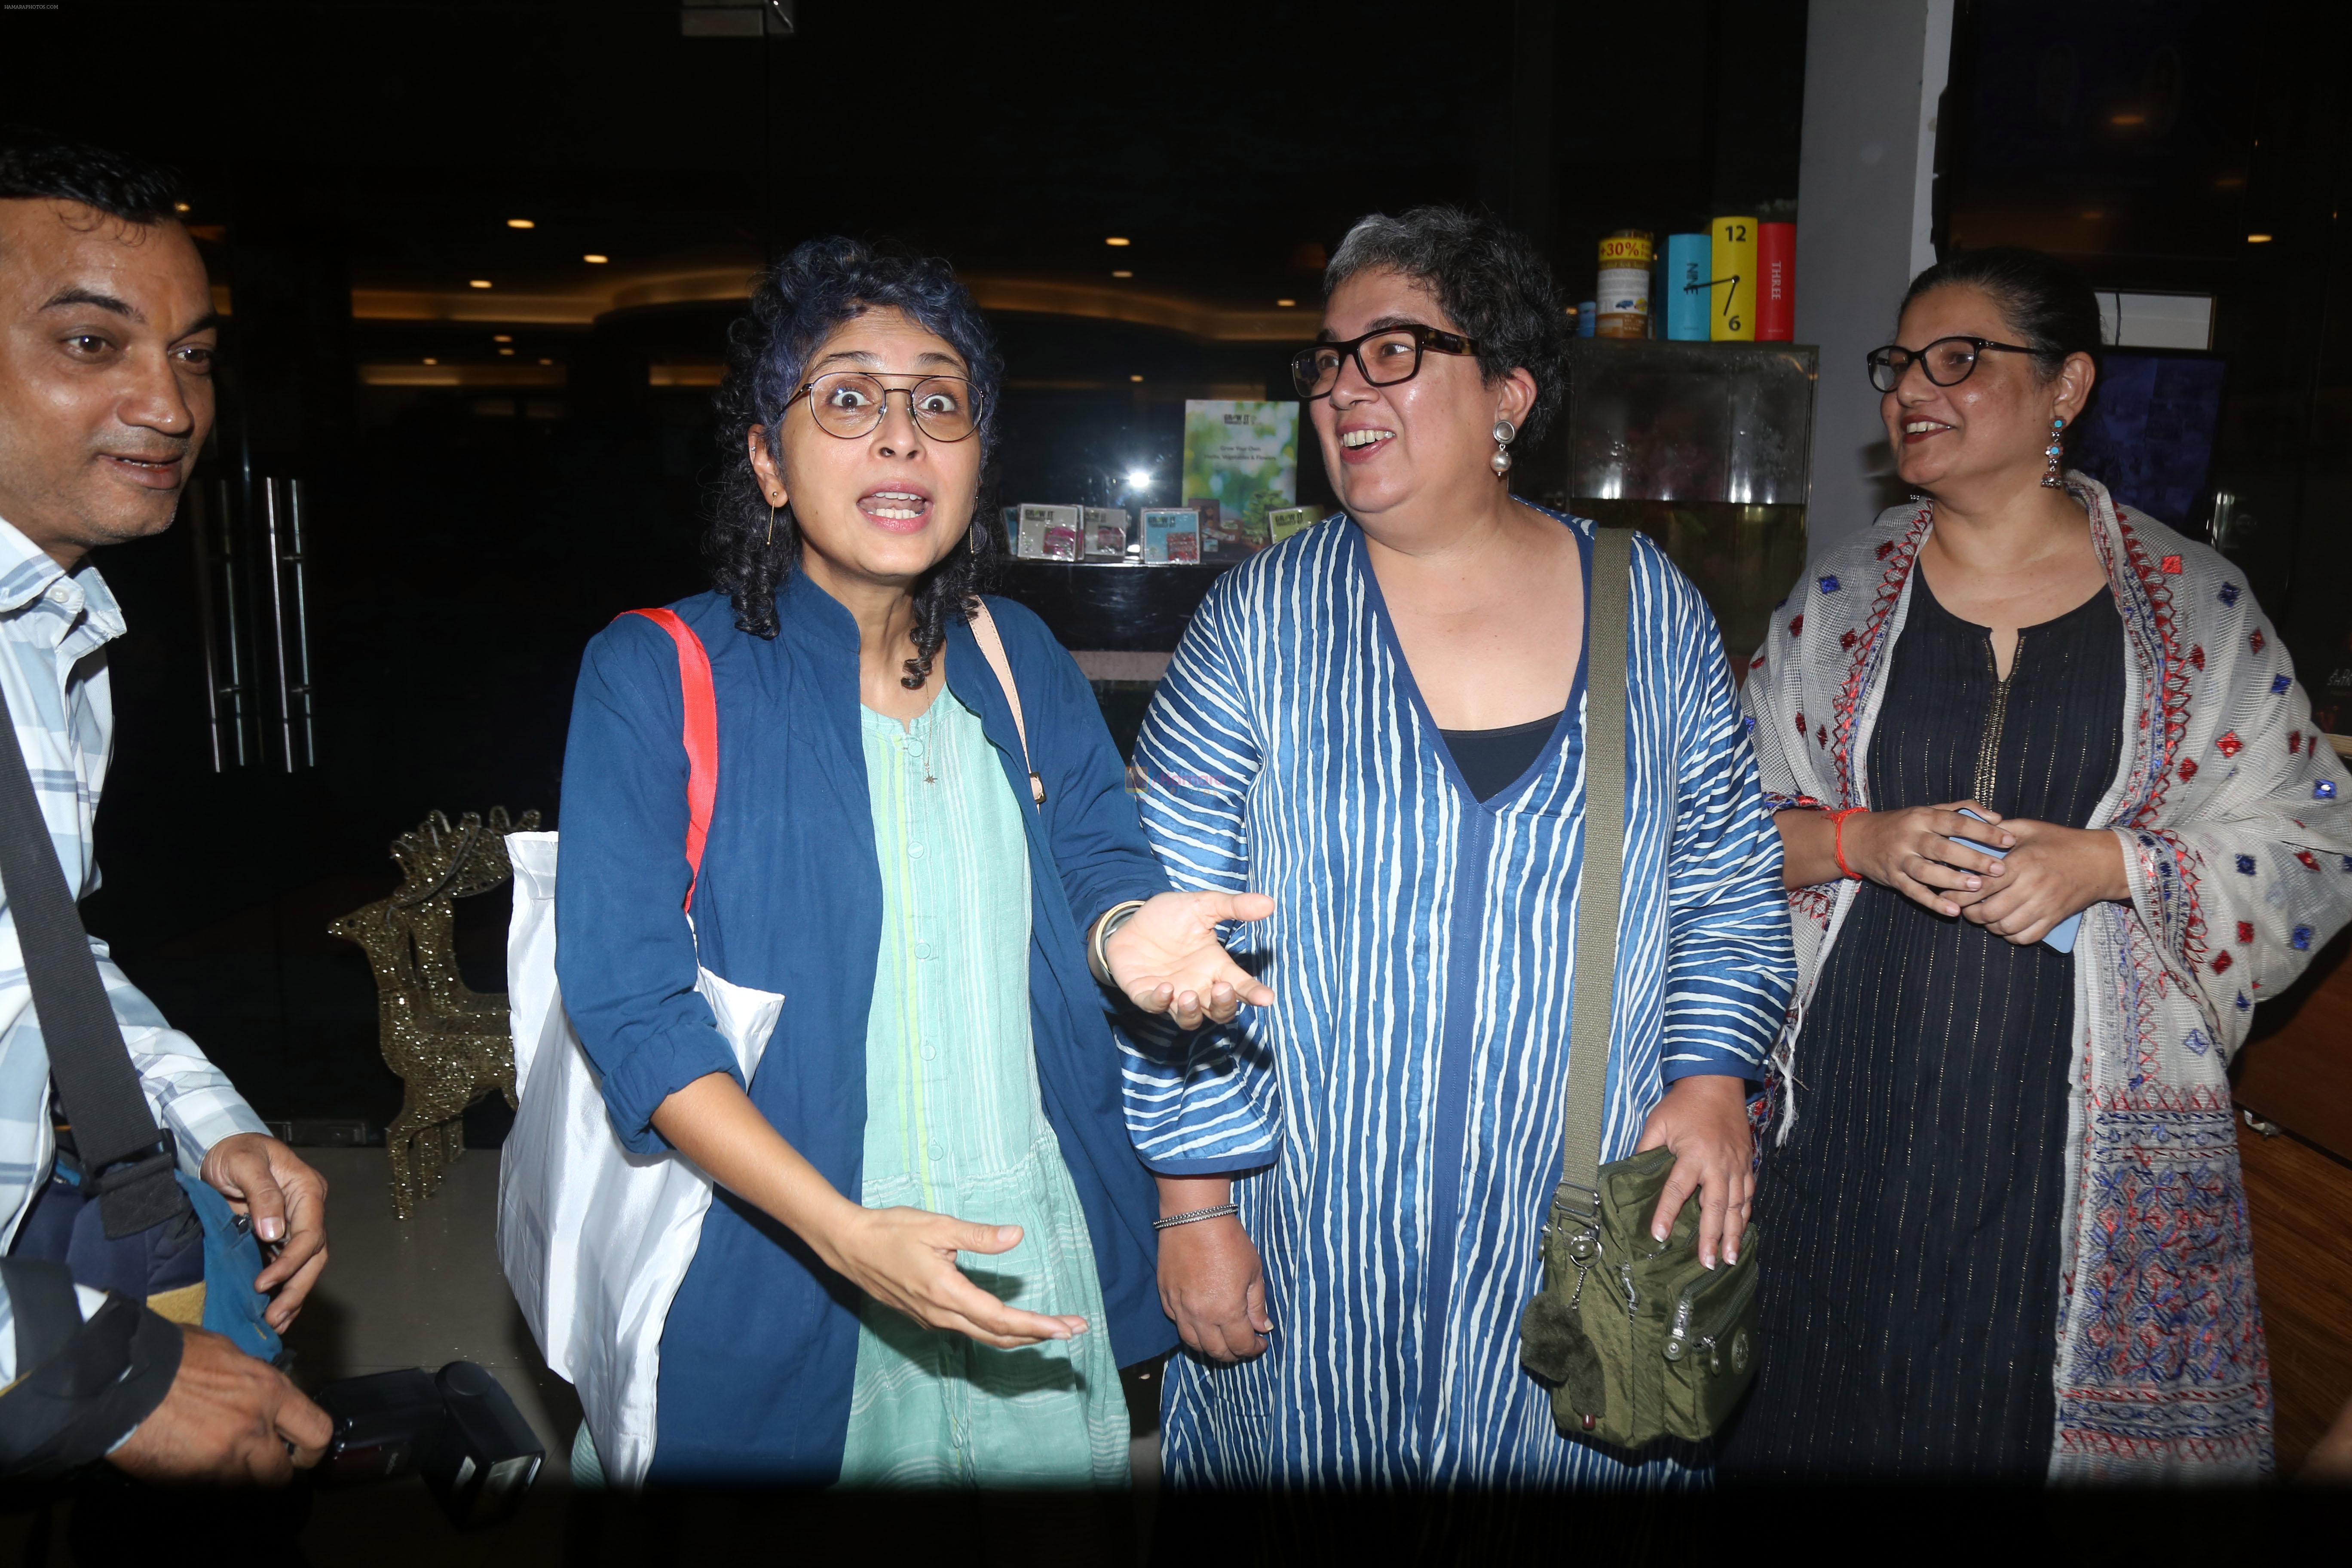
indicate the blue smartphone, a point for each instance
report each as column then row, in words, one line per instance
column 2062, row 935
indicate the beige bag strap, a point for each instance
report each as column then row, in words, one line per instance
column 991, row 649
column 1607, row 653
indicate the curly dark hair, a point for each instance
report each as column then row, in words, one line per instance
column 35, row 163
column 1490, row 278
column 795, row 305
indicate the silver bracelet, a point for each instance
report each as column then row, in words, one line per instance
column 1098, row 940
column 1215, row 1211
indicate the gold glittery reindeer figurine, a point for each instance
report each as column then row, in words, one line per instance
column 449, row 1045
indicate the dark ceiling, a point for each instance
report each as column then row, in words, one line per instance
column 1227, row 142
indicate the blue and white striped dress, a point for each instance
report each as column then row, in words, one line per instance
column 1401, row 1098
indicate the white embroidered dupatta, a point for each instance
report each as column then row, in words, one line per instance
column 2233, row 815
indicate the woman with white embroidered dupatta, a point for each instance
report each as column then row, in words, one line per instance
column 2009, row 1230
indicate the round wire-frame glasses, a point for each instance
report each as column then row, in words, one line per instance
column 850, row 403
column 1946, row 361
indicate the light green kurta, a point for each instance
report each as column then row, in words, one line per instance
column 954, row 1124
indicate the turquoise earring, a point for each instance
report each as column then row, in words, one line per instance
column 2053, row 480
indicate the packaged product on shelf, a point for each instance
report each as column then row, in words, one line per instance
column 1733, row 317
column 1625, row 293
column 1284, row 520
column 1221, row 537
column 1776, row 293
column 1211, row 515
column 1104, row 532
column 1227, row 532
column 1247, row 535
column 1170, row 534
column 1690, row 286
column 1038, row 523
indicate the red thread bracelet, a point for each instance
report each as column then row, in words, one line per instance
column 1837, row 843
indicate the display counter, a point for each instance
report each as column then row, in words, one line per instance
column 1139, row 609
column 1706, row 447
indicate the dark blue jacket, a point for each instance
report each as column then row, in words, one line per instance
column 760, row 1345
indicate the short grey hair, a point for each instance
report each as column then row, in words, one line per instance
column 1491, row 280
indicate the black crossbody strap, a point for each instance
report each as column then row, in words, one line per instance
column 87, row 1060
column 1601, row 885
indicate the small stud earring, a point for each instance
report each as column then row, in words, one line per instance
column 1504, row 433
column 2053, row 480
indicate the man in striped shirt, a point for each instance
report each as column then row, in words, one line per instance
column 106, row 337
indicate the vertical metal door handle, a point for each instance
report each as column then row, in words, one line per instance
column 296, row 562
column 207, row 621
column 224, row 630
column 269, row 534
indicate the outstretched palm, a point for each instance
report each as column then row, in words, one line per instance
column 1168, row 958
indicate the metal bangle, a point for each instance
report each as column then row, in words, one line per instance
column 1215, row 1211
column 1097, row 941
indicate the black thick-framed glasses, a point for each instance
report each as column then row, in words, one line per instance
column 1946, row 361
column 849, row 404
column 1383, row 358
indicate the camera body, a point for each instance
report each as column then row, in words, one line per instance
column 455, row 1427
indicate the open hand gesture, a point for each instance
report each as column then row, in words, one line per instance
column 1167, row 959
column 905, row 1259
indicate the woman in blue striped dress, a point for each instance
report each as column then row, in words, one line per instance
column 1378, row 723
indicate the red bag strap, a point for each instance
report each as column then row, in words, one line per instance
column 701, row 735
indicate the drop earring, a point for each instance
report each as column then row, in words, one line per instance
column 2053, row 480
column 1504, row 433
column 773, row 507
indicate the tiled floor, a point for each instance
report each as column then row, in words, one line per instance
column 428, row 1290
column 423, row 1291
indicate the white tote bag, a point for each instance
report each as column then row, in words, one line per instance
column 595, row 1240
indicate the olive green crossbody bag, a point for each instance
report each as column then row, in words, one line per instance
column 1637, row 1339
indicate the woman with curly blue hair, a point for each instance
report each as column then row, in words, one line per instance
column 938, row 866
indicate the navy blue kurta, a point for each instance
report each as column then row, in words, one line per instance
column 759, row 1347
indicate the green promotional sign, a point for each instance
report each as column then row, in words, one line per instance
column 1244, row 458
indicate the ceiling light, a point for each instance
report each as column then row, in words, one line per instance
column 2128, row 119
column 429, row 360
column 547, row 362
column 1116, row 239
column 1135, row 378
column 1285, row 304
column 521, row 222
column 2258, row 239
column 501, row 337
column 1121, row 272
column 597, row 260
column 2094, row 216
column 179, row 206
column 1138, row 479
column 477, row 283
column 506, row 351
